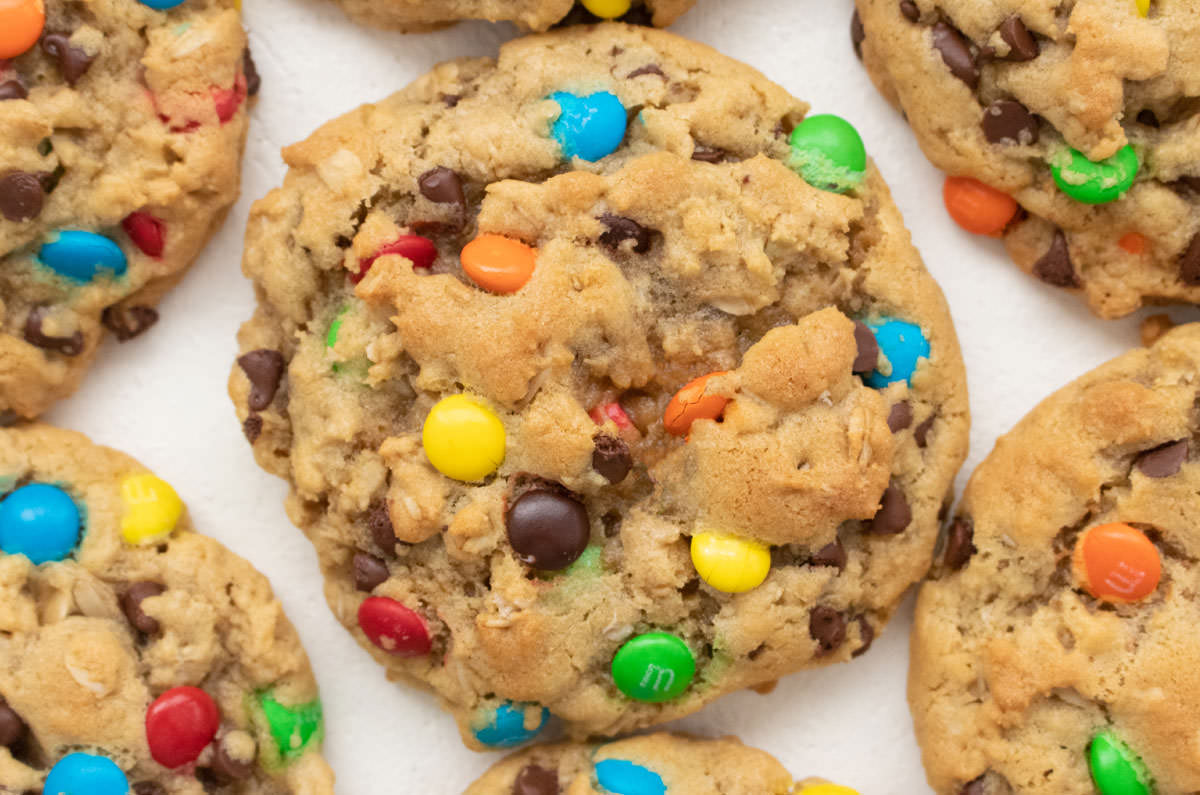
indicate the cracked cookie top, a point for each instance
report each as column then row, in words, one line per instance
column 424, row 15
column 1057, row 646
column 605, row 435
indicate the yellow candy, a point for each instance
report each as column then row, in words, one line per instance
column 826, row 789
column 607, row 9
column 463, row 438
column 1143, row 7
column 152, row 508
column 728, row 563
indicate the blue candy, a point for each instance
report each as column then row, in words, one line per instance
column 40, row 522
column 903, row 344
column 161, row 5
column 506, row 727
column 622, row 777
column 79, row 256
column 85, row 774
column 588, row 127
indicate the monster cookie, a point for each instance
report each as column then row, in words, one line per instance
column 417, row 15
column 137, row 654
column 650, row 765
column 1056, row 652
column 1070, row 129
column 121, row 126
column 592, row 405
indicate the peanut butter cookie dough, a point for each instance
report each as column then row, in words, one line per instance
column 423, row 15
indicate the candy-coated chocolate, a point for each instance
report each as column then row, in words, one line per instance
column 21, row 23
column 610, row 411
column 622, row 777
column 39, row 521
column 691, row 403
column 82, row 256
column 161, row 5
column 180, row 724
column 463, row 439
column 505, row 726
column 147, row 232
column 828, row 153
column 1132, row 243
column 729, row 563
column 1095, row 182
column 86, row 774
column 1115, row 768
column 335, row 328
column 291, row 728
column 976, row 207
column 497, row 263
column 653, row 667
column 1143, row 7
column 826, row 789
column 152, row 509
column 393, row 627
column 590, row 127
column 903, row 345
column 420, row 251
column 1117, row 563
column 611, row 9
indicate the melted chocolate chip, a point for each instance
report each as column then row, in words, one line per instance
column 832, row 554
column 921, row 432
column 900, row 417
column 12, row 728
column 547, row 527
column 867, row 633
column 621, row 229
column 827, row 627
column 648, row 69
column 867, row 358
column 1023, row 46
column 956, row 54
column 67, row 346
column 1007, row 121
column 252, row 428
column 857, row 34
column 611, row 458
column 1164, row 460
column 264, row 368
column 894, row 514
column 535, row 780
column 442, row 186
column 379, row 523
column 127, row 322
column 910, row 11
column 369, row 572
column 72, row 61
column 228, row 768
column 20, row 196
column 253, row 78
column 708, row 154
column 960, row 543
column 12, row 89
column 131, row 604
column 1055, row 267
column 1189, row 263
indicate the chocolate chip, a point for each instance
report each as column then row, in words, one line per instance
column 250, row 70
column 973, row 787
column 12, row 89
column 894, row 514
column 263, row 367
column 867, row 633
column 1055, row 266
column 1164, row 460
column 910, row 11
column 451, row 100
column 1189, row 263
column 621, row 229
column 72, row 61
column 20, row 196
column 960, row 543
column 827, row 627
column 442, row 186
column 900, row 417
column 1023, row 46
column 369, row 572
column 1148, row 118
column 252, row 427
column 921, row 432
column 648, row 69
column 857, row 34
column 956, row 54
column 228, row 768
column 611, row 458
column 867, row 358
column 535, row 780
column 67, row 346
column 708, row 154
column 131, row 603
column 127, row 322
column 12, row 728
column 379, row 522
column 148, row 788
column 832, row 554
column 1007, row 121
column 547, row 527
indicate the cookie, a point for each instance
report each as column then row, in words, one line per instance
column 1068, row 129
column 121, row 129
column 422, row 15
column 137, row 654
column 591, row 404
column 1056, row 649
column 652, row 764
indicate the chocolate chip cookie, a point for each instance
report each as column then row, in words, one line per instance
column 121, row 127
column 422, row 15
column 137, row 654
column 1055, row 650
column 1069, row 129
column 606, row 379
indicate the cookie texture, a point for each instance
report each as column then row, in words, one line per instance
column 422, row 15
column 1005, row 92
column 1017, row 663
column 121, row 130
column 105, row 640
column 506, row 487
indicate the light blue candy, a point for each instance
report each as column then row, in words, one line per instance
column 622, row 777
column 79, row 256
column 903, row 344
column 589, row 127
column 40, row 522
column 161, row 5
column 85, row 774
column 506, row 727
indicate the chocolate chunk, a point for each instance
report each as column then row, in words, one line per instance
column 547, row 527
column 20, row 196
column 708, row 154
column 1055, row 266
column 72, row 61
column 960, row 543
column 131, row 603
column 1189, row 263
column 832, row 554
column 973, row 787
column 379, row 522
column 369, row 572
column 956, row 54
column 867, row 633
column 621, row 229
column 921, row 432
column 827, row 627
column 867, row 358
column 442, row 186
column 127, row 322
column 648, row 69
column 535, row 780
column 1007, row 121
column 900, row 417
column 12, row 89
column 228, row 768
column 893, row 515
column 1148, row 117
column 263, row 367
column 252, row 427
column 67, row 346
column 1164, row 460
column 253, row 78
column 857, row 34
column 148, row 788
column 910, row 11
column 1023, row 46
column 12, row 728
column 611, row 458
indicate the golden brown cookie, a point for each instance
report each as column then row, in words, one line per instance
column 423, row 15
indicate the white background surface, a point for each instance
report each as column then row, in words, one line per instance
column 162, row 397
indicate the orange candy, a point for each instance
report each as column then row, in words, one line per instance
column 690, row 404
column 977, row 208
column 1117, row 563
column 21, row 22
column 497, row 263
column 1132, row 242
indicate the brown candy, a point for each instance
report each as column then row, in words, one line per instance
column 900, row 417
column 1007, row 121
column 20, row 196
column 1189, row 263
column 867, row 358
column 12, row 728
column 611, row 458
column 535, row 780
column 131, row 604
column 1023, row 46
column 72, row 61
column 1055, row 266
column 894, row 514
column 956, row 54
column 442, row 186
column 832, row 554
column 621, row 229
column 827, row 627
column 960, row 543
column 127, row 322
column 1163, row 461
column 67, row 346
column 547, row 527
column 369, row 572
column 263, row 367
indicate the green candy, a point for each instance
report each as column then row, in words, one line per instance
column 1095, row 182
column 292, row 728
column 335, row 327
column 653, row 667
column 1116, row 769
column 588, row 561
column 829, row 153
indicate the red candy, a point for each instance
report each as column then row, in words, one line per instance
column 393, row 627
column 418, row 250
column 180, row 724
column 228, row 100
column 611, row 411
column 146, row 232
